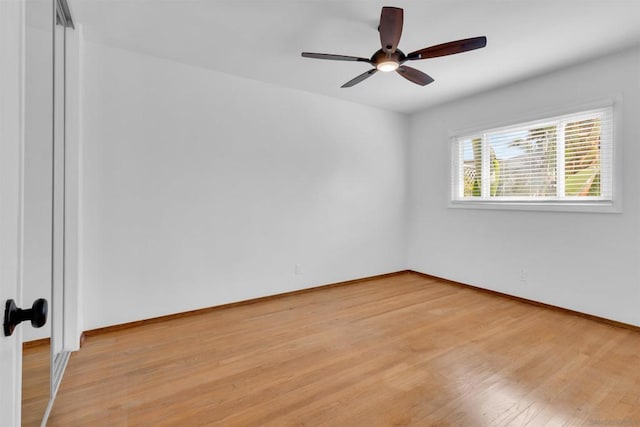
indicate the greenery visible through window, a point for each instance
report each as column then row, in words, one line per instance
column 566, row 158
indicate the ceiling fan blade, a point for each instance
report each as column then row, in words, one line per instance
column 334, row 57
column 450, row 48
column 390, row 28
column 360, row 78
column 413, row 75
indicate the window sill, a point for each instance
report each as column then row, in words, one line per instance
column 548, row 206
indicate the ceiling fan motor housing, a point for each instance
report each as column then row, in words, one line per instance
column 380, row 56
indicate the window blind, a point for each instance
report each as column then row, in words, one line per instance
column 563, row 158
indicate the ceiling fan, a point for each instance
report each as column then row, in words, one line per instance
column 390, row 58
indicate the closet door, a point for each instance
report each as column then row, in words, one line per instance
column 58, row 211
column 59, row 356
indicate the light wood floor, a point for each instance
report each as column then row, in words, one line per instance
column 35, row 384
column 403, row 350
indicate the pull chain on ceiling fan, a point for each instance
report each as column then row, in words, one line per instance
column 390, row 58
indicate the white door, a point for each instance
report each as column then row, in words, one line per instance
column 11, row 142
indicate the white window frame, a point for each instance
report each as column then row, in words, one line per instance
column 612, row 167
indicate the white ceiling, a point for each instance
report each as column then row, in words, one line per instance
column 262, row 40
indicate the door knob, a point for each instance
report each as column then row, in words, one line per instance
column 13, row 315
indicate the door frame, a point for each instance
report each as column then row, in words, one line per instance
column 12, row 26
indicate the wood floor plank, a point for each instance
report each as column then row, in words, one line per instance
column 400, row 350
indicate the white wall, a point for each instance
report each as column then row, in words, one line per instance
column 201, row 188
column 587, row 262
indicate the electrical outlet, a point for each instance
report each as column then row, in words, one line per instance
column 523, row 275
column 297, row 269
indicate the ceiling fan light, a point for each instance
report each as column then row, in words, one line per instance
column 387, row 66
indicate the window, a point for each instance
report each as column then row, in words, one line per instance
column 559, row 160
